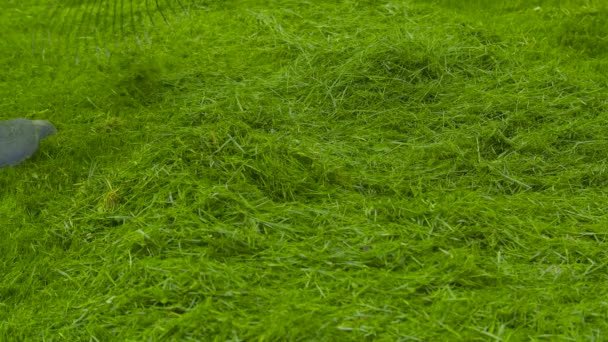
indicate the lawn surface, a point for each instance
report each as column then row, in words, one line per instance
column 312, row 171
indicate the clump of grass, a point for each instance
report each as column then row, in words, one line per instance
column 347, row 171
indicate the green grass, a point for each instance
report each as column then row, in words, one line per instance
column 314, row 171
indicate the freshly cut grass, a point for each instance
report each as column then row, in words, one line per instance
column 357, row 170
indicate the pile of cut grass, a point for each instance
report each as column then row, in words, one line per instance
column 299, row 171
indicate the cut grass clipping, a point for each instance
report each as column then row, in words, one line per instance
column 313, row 171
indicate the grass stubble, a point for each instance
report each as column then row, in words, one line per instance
column 357, row 170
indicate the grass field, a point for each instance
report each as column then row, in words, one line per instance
column 286, row 170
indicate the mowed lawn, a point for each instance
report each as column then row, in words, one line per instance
column 289, row 170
